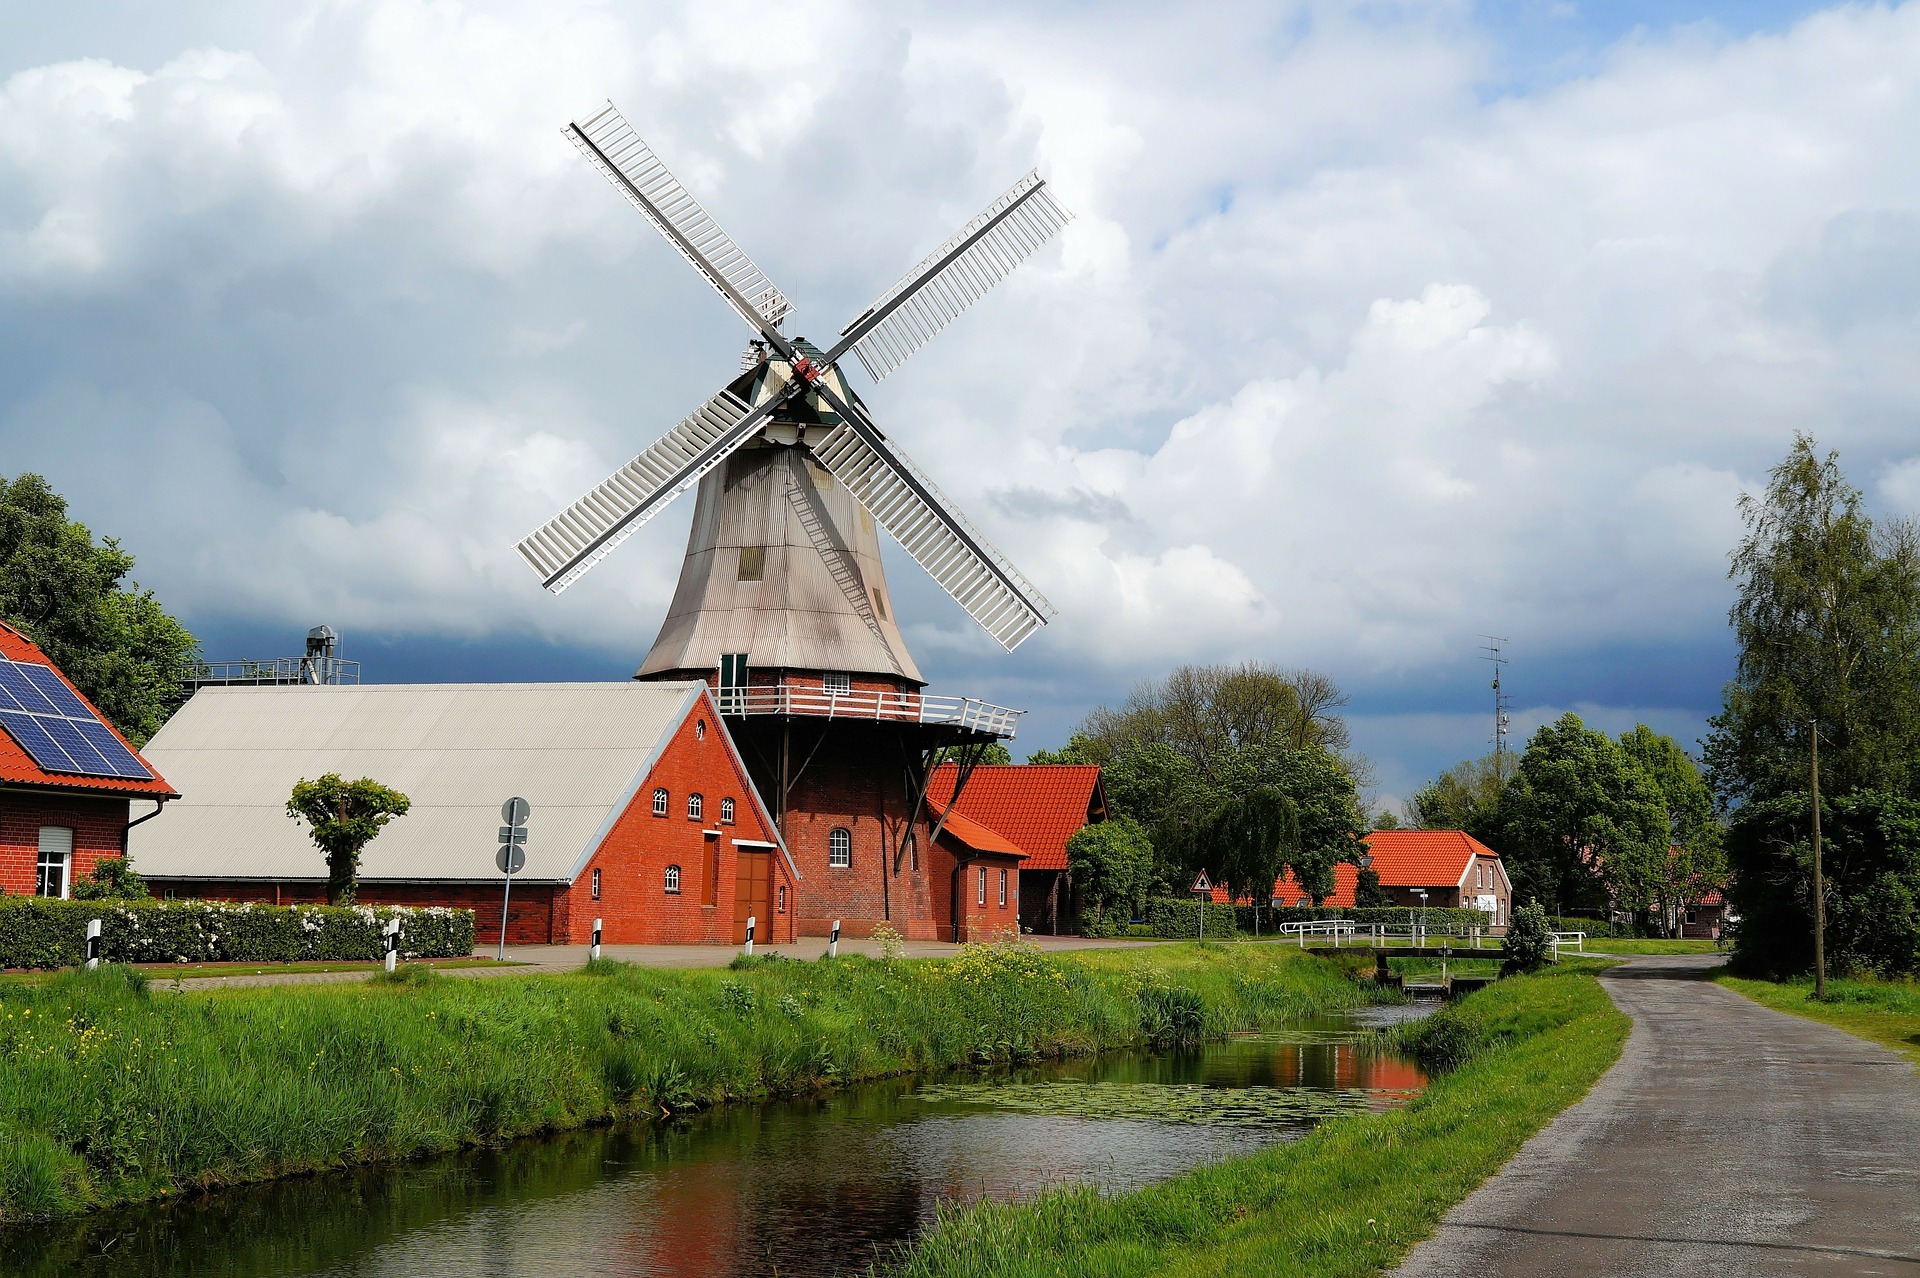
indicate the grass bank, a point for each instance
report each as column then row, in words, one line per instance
column 1652, row 945
column 1879, row 1011
column 109, row 1093
column 1350, row 1198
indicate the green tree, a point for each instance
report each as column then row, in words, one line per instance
column 1871, row 861
column 1464, row 797
column 1529, row 941
column 112, row 879
column 1210, row 713
column 71, row 596
column 1583, row 823
column 987, row 754
column 1077, row 750
column 1827, row 619
column 1697, row 861
column 1111, row 863
column 1367, row 892
column 344, row 816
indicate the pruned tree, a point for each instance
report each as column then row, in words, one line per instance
column 344, row 816
column 1111, row 863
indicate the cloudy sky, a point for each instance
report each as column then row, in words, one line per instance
column 1381, row 327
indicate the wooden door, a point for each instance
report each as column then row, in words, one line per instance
column 753, row 895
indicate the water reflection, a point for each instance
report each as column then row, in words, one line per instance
column 814, row 1187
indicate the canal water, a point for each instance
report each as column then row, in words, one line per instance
column 813, row 1187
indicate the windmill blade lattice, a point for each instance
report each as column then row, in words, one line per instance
column 954, row 276
column 582, row 535
column 941, row 540
column 631, row 165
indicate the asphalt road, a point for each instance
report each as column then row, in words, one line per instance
column 1728, row 1140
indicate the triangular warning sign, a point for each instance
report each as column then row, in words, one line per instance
column 1201, row 883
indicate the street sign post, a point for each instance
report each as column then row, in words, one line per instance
column 512, row 856
column 1203, row 888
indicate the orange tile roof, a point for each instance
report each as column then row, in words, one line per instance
column 17, row 767
column 1424, row 858
column 1037, row 806
column 977, row 836
column 1402, row 858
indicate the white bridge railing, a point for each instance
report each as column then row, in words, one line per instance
column 1381, row 935
column 1575, row 941
column 882, row 707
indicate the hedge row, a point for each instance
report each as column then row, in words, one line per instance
column 1179, row 920
column 39, row 932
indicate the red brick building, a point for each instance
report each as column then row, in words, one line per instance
column 1455, row 870
column 55, row 824
column 1036, row 808
column 643, row 814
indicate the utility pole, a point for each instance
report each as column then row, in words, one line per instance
column 1500, row 704
column 1819, row 885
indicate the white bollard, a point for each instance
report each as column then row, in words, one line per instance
column 749, row 934
column 594, row 953
column 833, row 941
column 93, row 944
column 393, row 944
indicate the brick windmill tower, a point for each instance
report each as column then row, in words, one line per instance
column 782, row 605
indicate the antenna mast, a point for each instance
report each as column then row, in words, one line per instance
column 1501, row 703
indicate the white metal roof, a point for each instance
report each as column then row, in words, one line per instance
column 575, row 751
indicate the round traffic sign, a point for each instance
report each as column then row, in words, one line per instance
column 514, row 811
column 519, row 862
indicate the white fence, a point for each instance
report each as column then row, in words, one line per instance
column 1575, row 941
column 1381, row 935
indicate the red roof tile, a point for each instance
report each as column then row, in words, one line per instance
column 1038, row 807
column 977, row 836
column 17, row 766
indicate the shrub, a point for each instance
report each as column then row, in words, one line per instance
column 1529, row 939
column 1179, row 920
column 112, row 879
column 40, row 932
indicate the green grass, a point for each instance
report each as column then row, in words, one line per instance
column 1350, row 1198
column 109, row 1093
column 1879, row 1011
column 1649, row 945
column 207, row 971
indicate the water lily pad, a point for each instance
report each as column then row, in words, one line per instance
column 1258, row 1107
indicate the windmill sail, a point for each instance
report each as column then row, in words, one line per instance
column 931, row 529
column 581, row 535
column 952, row 277
column 630, row 164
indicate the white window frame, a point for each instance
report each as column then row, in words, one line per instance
column 840, row 848
column 596, row 882
column 726, row 812
column 983, row 885
column 837, row 683
column 671, row 880
column 1003, row 889
column 660, row 802
column 695, row 806
column 55, row 852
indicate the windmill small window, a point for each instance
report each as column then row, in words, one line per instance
column 726, row 812
column 660, row 803
column 596, row 883
column 753, row 563
column 673, row 880
column 840, row 848
column 783, row 898
column 699, row 729
column 693, row 807
column 838, row 683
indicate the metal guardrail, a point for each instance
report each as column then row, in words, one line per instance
column 273, row 671
column 881, row 707
column 1577, row 940
column 1381, row 935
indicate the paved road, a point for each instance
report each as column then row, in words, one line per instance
column 526, row 960
column 1728, row 1140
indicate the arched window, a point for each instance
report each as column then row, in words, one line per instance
column 983, row 885
column 840, row 848
column 659, row 802
column 596, row 883
column 783, row 898
column 693, row 807
column 673, row 880
column 726, row 812
column 913, row 852
column 699, row 729
column 1003, row 887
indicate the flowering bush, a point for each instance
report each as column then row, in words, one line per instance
column 39, row 932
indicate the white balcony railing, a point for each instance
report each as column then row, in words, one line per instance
column 881, row 707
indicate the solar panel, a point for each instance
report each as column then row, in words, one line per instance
column 55, row 727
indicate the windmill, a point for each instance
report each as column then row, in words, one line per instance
column 783, row 564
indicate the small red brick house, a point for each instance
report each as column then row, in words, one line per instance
column 58, row 814
column 1456, row 870
column 642, row 811
column 976, row 882
column 1036, row 808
